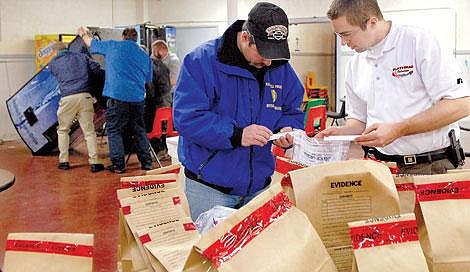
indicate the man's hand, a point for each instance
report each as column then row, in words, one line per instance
column 380, row 135
column 255, row 135
column 327, row 132
column 285, row 141
column 352, row 127
column 84, row 32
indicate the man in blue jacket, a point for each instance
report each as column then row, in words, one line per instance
column 72, row 70
column 128, row 69
column 233, row 93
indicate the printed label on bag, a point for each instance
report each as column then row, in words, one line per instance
column 443, row 191
column 50, row 247
column 241, row 234
column 384, row 234
column 143, row 185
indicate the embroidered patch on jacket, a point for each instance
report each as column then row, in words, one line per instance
column 273, row 95
column 402, row 71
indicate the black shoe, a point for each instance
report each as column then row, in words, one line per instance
column 115, row 169
column 63, row 165
column 96, row 167
column 163, row 155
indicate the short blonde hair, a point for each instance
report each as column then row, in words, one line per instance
column 160, row 44
column 357, row 12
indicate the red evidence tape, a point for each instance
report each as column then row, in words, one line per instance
column 384, row 234
column 443, row 191
column 242, row 233
column 284, row 166
column 131, row 184
column 50, row 247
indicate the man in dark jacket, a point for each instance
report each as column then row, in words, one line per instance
column 231, row 95
column 157, row 98
column 72, row 71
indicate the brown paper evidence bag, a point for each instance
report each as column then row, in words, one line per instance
column 333, row 194
column 443, row 217
column 52, row 252
column 387, row 244
column 267, row 234
column 153, row 206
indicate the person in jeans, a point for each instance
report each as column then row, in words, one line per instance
column 232, row 94
column 128, row 69
column 404, row 92
column 72, row 71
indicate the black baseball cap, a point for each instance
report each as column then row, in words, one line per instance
column 269, row 26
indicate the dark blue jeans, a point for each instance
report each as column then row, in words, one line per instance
column 122, row 116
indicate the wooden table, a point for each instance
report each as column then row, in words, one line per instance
column 7, row 179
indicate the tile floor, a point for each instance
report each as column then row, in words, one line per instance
column 46, row 199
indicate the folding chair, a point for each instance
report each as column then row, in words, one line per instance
column 162, row 126
column 315, row 114
column 152, row 154
column 338, row 115
column 464, row 133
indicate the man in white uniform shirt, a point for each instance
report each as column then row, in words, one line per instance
column 404, row 93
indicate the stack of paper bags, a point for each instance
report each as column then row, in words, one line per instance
column 156, row 232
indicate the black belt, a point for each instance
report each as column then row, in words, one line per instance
column 225, row 190
column 426, row 157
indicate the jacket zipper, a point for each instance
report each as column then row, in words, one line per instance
column 252, row 151
column 204, row 163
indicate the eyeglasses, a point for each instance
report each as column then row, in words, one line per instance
column 350, row 34
column 347, row 34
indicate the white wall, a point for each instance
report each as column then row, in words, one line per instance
column 189, row 13
column 462, row 8
column 21, row 20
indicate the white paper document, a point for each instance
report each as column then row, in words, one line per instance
column 341, row 138
column 310, row 151
column 283, row 134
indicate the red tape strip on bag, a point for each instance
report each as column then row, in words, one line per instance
column 50, row 247
column 283, row 166
column 145, row 238
column 172, row 171
column 443, row 191
column 384, row 234
column 286, row 181
column 149, row 183
column 241, row 234
column 405, row 187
